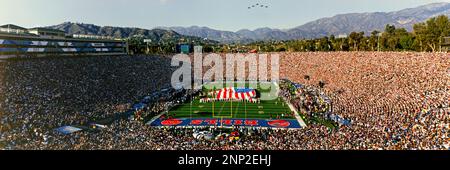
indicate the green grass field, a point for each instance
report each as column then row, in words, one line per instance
column 263, row 110
column 266, row 109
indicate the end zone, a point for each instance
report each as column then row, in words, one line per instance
column 203, row 122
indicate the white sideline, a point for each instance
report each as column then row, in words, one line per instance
column 297, row 116
column 154, row 118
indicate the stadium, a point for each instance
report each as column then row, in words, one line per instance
column 110, row 116
column 77, row 86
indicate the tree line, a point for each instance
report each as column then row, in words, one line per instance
column 425, row 37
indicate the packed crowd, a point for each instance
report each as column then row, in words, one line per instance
column 38, row 95
column 388, row 96
column 395, row 101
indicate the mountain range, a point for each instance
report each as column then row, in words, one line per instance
column 156, row 35
column 336, row 25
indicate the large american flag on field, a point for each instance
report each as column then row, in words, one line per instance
column 235, row 93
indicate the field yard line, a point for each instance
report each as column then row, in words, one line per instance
column 297, row 116
column 245, row 110
column 221, row 108
column 237, row 109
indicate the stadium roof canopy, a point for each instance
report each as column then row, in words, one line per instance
column 12, row 26
column 46, row 30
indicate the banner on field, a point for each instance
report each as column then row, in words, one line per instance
column 281, row 123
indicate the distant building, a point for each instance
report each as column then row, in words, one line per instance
column 184, row 48
column 445, row 46
column 342, row 36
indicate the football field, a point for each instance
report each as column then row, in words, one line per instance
column 263, row 109
column 275, row 109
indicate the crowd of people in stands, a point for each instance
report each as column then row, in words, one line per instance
column 388, row 96
column 38, row 95
column 395, row 101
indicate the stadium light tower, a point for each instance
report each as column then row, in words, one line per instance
column 148, row 41
column 378, row 43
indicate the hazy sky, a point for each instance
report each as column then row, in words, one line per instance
column 229, row 15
